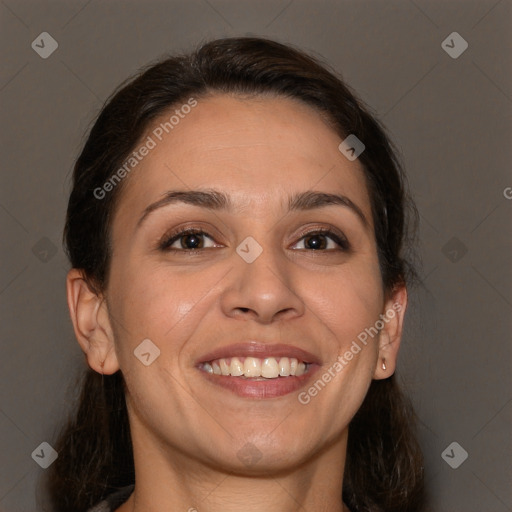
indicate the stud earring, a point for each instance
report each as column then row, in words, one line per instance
column 383, row 364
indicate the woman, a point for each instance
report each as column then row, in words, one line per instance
column 236, row 232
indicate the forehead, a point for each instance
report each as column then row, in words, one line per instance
column 257, row 150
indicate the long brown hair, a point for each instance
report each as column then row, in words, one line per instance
column 384, row 471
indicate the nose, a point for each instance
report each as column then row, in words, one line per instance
column 263, row 290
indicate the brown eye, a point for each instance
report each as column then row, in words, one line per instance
column 189, row 239
column 319, row 240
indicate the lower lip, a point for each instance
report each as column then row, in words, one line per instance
column 260, row 389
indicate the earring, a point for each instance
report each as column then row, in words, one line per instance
column 383, row 363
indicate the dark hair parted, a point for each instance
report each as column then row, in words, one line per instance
column 384, row 471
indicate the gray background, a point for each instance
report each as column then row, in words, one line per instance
column 451, row 118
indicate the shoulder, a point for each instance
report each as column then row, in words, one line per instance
column 113, row 500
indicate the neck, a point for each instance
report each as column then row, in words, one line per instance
column 167, row 480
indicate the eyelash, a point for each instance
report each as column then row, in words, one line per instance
column 169, row 240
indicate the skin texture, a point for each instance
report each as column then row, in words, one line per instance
column 187, row 433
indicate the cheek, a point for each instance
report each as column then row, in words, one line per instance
column 155, row 302
column 347, row 304
column 350, row 300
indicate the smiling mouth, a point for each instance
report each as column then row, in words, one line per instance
column 256, row 368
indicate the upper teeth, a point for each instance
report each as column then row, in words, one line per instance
column 269, row 367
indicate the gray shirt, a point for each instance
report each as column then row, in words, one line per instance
column 114, row 500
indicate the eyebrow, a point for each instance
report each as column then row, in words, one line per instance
column 216, row 200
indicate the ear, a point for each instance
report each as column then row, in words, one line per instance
column 391, row 334
column 91, row 323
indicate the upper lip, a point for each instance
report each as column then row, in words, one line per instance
column 253, row 348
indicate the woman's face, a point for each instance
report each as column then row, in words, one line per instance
column 258, row 284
